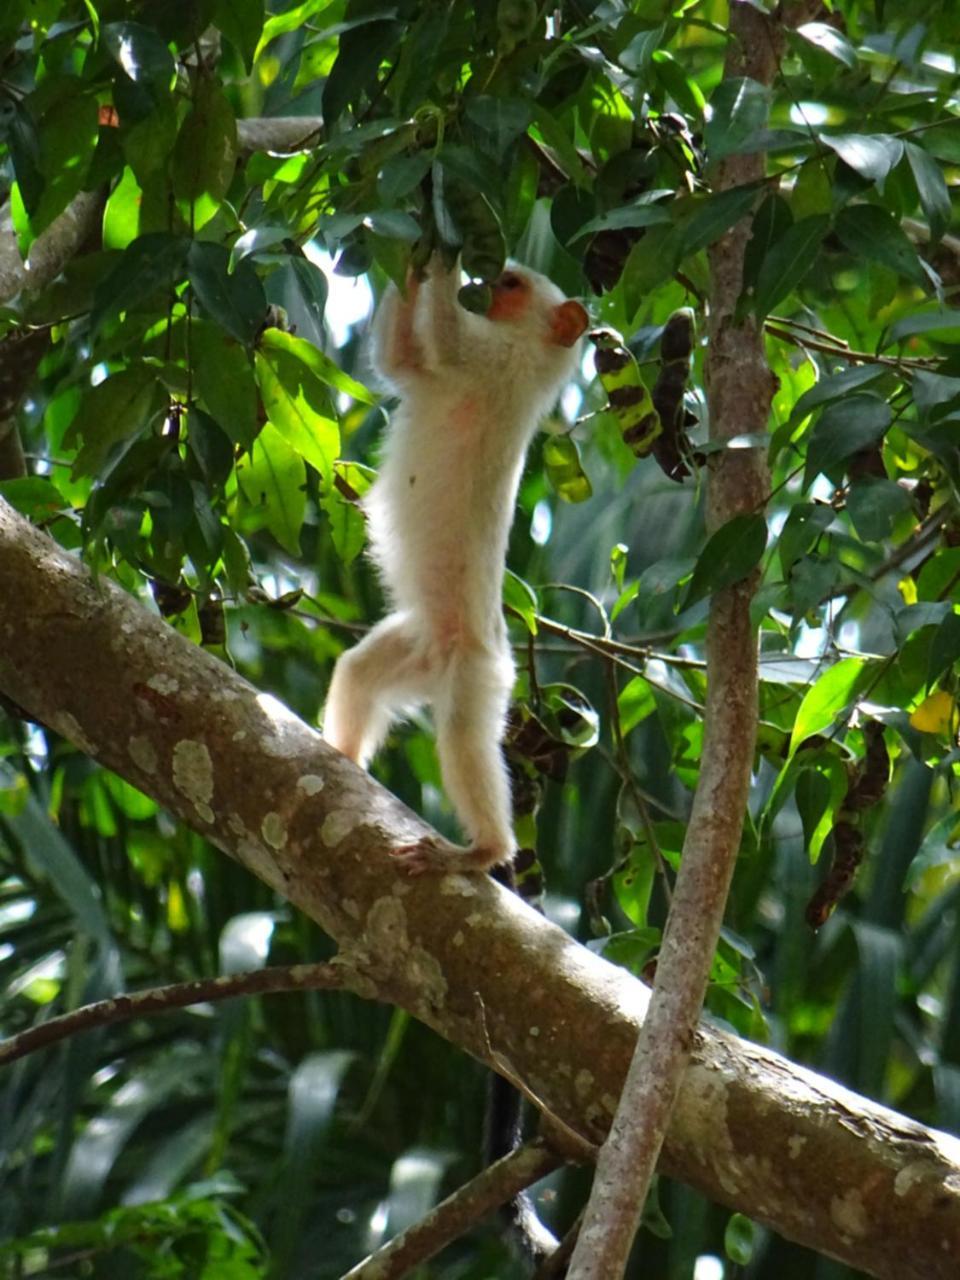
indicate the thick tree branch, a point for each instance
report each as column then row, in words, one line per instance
column 793, row 1150
column 739, row 388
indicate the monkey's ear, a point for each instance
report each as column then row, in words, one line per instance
column 568, row 320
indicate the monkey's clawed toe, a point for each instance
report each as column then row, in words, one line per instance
column 438, row 856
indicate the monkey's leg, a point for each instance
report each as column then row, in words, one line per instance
column 470, row 711
column 370, row 683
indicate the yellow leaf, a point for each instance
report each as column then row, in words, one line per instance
column 936, row 714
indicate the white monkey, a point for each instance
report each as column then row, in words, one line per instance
column 473, row 390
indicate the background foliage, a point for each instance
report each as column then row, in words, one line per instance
column 196, row 422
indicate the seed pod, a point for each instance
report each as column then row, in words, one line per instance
column 628, row 398
column 673, row 449
column 476, row 298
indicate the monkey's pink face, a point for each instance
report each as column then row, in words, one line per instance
column 514, row 296
column 511, row 297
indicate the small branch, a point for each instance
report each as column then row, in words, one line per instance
column 853, row 357
column 495, row 1186
column 103, row 1013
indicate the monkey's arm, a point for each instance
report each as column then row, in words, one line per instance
column 443, row 319
column 398, row 350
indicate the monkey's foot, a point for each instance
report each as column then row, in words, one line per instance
column 438, row 856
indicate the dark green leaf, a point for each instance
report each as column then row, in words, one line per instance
column 360, row 53
column 24, row 143
column 788, row 262
column 770, row 224
column 730, row 555
column 872, row 155
column 151, row 262
column 141, row 53
column 932, row 189
column 205, row 156
column 945, row 649
column 715, row 214
column 871, row 232
column 830, row 40
column 835, row 387
column 120, row 406
column 874, row 505
column 804, row 526
column 241, row 21
column 633, row 215
column 739, row 108
column 235, row 301
column 845, row 427
column 33, row 496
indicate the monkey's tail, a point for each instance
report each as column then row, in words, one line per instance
column 502, row 1134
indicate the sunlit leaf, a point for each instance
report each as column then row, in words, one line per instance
column 830, row 695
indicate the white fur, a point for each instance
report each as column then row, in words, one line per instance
column 472, row 394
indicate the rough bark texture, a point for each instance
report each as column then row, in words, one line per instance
column 791, row 1149
column 739, row 391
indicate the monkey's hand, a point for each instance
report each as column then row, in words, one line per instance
column 438, row 856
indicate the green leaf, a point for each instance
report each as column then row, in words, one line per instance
column 121, row 406
column 522, row 599
column 23, row 141
column 235, row 301
column 141, row 52
column 241, row 21
column 872, row 155
column 835, row 387
column 685, row 92
column 804, row 526
column 348, row 528
column 151, row 262
column 874, row 506
column 223, row 374
column 633, row 215
column 820, row 792
column 945, row 649
column 945, row 320
column 67, row 136
column 830, row 41
column 740, row 1239
column 844, row 427
column 327, row 370
column 635, row 702
column 871, row 232
column 730, row 555
column 826, row 699
column 715, row 214
column 272, row 481
column 561, row 458
column 788, row 262
column 298, row 406
column 739, row 109
column 932, row 189
column 205, row 155
column 33, row 496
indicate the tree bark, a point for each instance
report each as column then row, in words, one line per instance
column 793, row 1150
column 739, row 390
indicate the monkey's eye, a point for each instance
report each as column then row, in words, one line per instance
column 510, row 281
